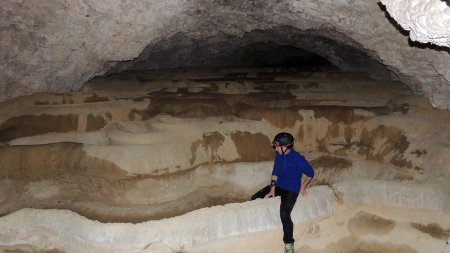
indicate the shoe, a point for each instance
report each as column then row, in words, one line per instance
column 289, row 248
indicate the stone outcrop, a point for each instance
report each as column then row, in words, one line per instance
column 185, row 231
column 72, row 233
column 58, row 46
column 427, row 21
column 107, row 142
column 107, row 153
column 136, row 154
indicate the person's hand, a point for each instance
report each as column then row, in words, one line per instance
column 271, row 193
column 303, row 192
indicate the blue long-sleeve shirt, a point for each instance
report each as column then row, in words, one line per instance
column 289, row 169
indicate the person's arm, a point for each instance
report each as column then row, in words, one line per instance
column 305, row 183
column 309, row 172
column 273, row 179
column 272, row 187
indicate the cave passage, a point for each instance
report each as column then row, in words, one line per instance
column 146, row 126
column 283, row 47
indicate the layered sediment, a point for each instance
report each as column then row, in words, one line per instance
column 130, row 159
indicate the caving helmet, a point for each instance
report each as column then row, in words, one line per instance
column 283, row 139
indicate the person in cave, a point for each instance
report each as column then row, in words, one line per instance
column 286, row 182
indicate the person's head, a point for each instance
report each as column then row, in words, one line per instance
column 283, row 142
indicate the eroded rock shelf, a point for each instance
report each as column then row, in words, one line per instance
column 140, row 162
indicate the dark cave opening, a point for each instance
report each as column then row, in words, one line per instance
column 270, row 54
column 284, row 47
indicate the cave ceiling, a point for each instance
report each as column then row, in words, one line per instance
column 58, row 46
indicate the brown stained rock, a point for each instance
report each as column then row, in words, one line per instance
column 132, row 114
column 252, row 147
column 338, row 114
column 201, row 197
column 94, row 123
column 199, row 105
column 108, row 116
column 433, row 229
column 41, row 103
column 419, row 153
column 196, row 109
column 207, row 103
column 346, row 114
column 367, row 141
column 183, row 107
column 377, row 247
column 194, row 147
column 348, row 134
column 188, row 203
column 79, row 178
column 29, row 125
column 329, row 169
column 66, row 99
column 210, row 142
column 352, row 244
column 82, row 180
column 300, row 135
column 396, row 143
column 331, row 162
column 322, row 145
column 333, row 130
column 46, row 161
column 363, row 223
column 95, row 99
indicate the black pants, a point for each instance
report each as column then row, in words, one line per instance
column 288, row 199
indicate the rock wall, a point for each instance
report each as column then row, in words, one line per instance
column 55, row 46
column 136, row 155
column 427, row 21
column 108, row 152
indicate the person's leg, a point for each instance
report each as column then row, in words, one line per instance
column 288, row 199
column 261, row 193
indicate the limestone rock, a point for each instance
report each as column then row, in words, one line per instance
column 151, row 164
column 157, row 247
column 58, row 46
column 427, row 20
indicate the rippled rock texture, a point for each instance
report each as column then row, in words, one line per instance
column 427, row 21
